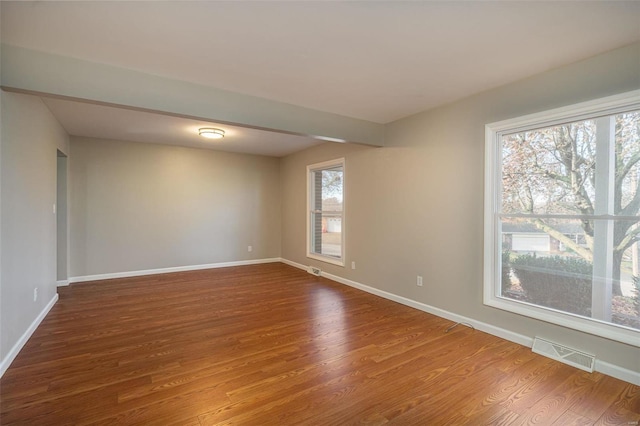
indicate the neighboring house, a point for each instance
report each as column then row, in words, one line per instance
column 528, row 238
column 331, row 224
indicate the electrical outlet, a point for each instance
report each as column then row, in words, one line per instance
column 353, row 265
column 419, row 281
column 35, row 294
column 249, row 248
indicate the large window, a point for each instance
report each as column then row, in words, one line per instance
column 562, row 216
column 325, row 214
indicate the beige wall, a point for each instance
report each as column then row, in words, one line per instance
column 30, row 140
column 136, row 206
column 415, row 207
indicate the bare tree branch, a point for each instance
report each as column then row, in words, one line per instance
column 628, row 240
column 626, row 168
column 633, row 207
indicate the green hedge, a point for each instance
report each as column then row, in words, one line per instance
column 557, row 282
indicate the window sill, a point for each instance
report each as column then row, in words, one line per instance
column 326, row 259
column 607, row 330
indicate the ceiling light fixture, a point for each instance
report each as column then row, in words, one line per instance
column 211, row 133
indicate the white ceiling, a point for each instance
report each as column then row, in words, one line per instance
column 373, row 60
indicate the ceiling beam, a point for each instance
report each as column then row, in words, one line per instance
column 42, row 73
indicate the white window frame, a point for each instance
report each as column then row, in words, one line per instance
column 492, row 238
column 340, row 162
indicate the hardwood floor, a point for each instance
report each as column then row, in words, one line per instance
column 272, row 345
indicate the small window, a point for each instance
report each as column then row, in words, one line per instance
column 325, row 214
column 562, row 217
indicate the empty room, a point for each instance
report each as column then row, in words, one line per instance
column 320, row 213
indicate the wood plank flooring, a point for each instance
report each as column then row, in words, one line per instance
column 273, row 345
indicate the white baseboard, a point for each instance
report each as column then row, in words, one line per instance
column 618, row 372
column 138, row 273
column 600, row 366
column 294, row 264
column 62, row 283
column 13, row 353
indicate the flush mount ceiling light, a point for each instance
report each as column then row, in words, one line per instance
column 211, row 133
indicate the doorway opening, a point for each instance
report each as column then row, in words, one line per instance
column 61, row 220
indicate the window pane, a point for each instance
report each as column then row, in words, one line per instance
column 625, row 300
column 548, row 263
column 627, row 146
column 332, row 189
column 332, row 212
column 329, row 240
column 550, row 170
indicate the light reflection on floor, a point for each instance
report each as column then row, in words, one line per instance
column 329, row 324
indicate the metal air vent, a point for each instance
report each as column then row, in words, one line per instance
column 314, row 271
column 564, row 354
